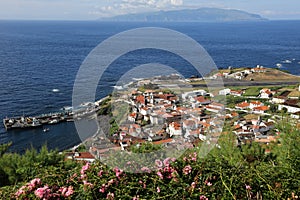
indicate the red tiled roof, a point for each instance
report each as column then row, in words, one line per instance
column 140, row 99
column 133, row 115
column 243, row 105
column 201, row 99
column 163, row 141
column 236, row 92
column 86, row 155
column 262, row 108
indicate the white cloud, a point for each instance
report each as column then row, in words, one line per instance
column 135, row 6
column 176, row 2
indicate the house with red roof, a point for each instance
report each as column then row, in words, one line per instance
column 254, row 104
column 266, row 93
column 80, row 156
column 242, row 106
column 175, row 129
column 132, row 117
column 237, row 92
column 140, row 99
column 261, row 109
column 215, row 107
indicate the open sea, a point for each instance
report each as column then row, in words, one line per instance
column 39, row 61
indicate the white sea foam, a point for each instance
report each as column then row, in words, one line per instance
column 55, row 90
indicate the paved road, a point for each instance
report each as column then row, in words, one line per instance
column 229, row 82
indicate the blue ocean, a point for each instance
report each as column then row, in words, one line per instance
column 39, row 61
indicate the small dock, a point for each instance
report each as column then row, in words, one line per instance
column 68, row 114
column 36, row 121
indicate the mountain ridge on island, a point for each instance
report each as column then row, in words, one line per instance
column 188, row 15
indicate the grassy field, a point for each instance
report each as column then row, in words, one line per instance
column 273, row 75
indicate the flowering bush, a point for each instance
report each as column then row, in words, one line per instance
column 226, row 173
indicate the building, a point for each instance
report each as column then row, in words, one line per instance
column 292, row 106
column 254, row 104
column 261, row 109
column 259, row 69
column 175, row 129
column 279, row 99
column 224, row 92
column 242, row 106
column 80, row 156
column 236, row 92
column 266, row 93
column 215, row 107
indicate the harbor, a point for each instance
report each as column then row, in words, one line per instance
column 23, row 122
column 67, row 114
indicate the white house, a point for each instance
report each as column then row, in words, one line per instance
column 144, row 111
column 224, row 92
column 279, row 99
column 132, row 117
column 194, row 93
column 254, row 104
column 156, row 119
column 243, row 105
column 215, row 107
column 295, row 115
column 175, row 129
column 292, row 106
column 290, row 109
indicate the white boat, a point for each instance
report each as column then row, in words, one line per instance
column 53, row 121
column 287, row 61
column 279, row 65
column 35, row 122
column 46, row 130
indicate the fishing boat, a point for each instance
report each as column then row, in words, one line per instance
column 46, row 130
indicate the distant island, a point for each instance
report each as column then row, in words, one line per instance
column 189, row 15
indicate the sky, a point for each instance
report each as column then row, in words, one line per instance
column 95, row 9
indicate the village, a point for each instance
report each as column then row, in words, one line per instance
column 148, row 112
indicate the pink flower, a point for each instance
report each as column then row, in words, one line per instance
column 63, row 190
column 42, row 192
column 69, row 192
column 111, row 181
column 102, row 190
column 35, row 182
column 21, row 191
column 193, row 185
column 173, row 159
column 146, row 169
column 118, row 172
column 160, row 175
column 66, row 191
column 136, row 198
column 158, row 190
column 158, row 163
column 84, row 168
column 167, row 162
column 187, row 169
column 209, row 184
column 100, row 173
column 87, row 184
column 110, row 196
column 248, row 187
column 202, row 197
